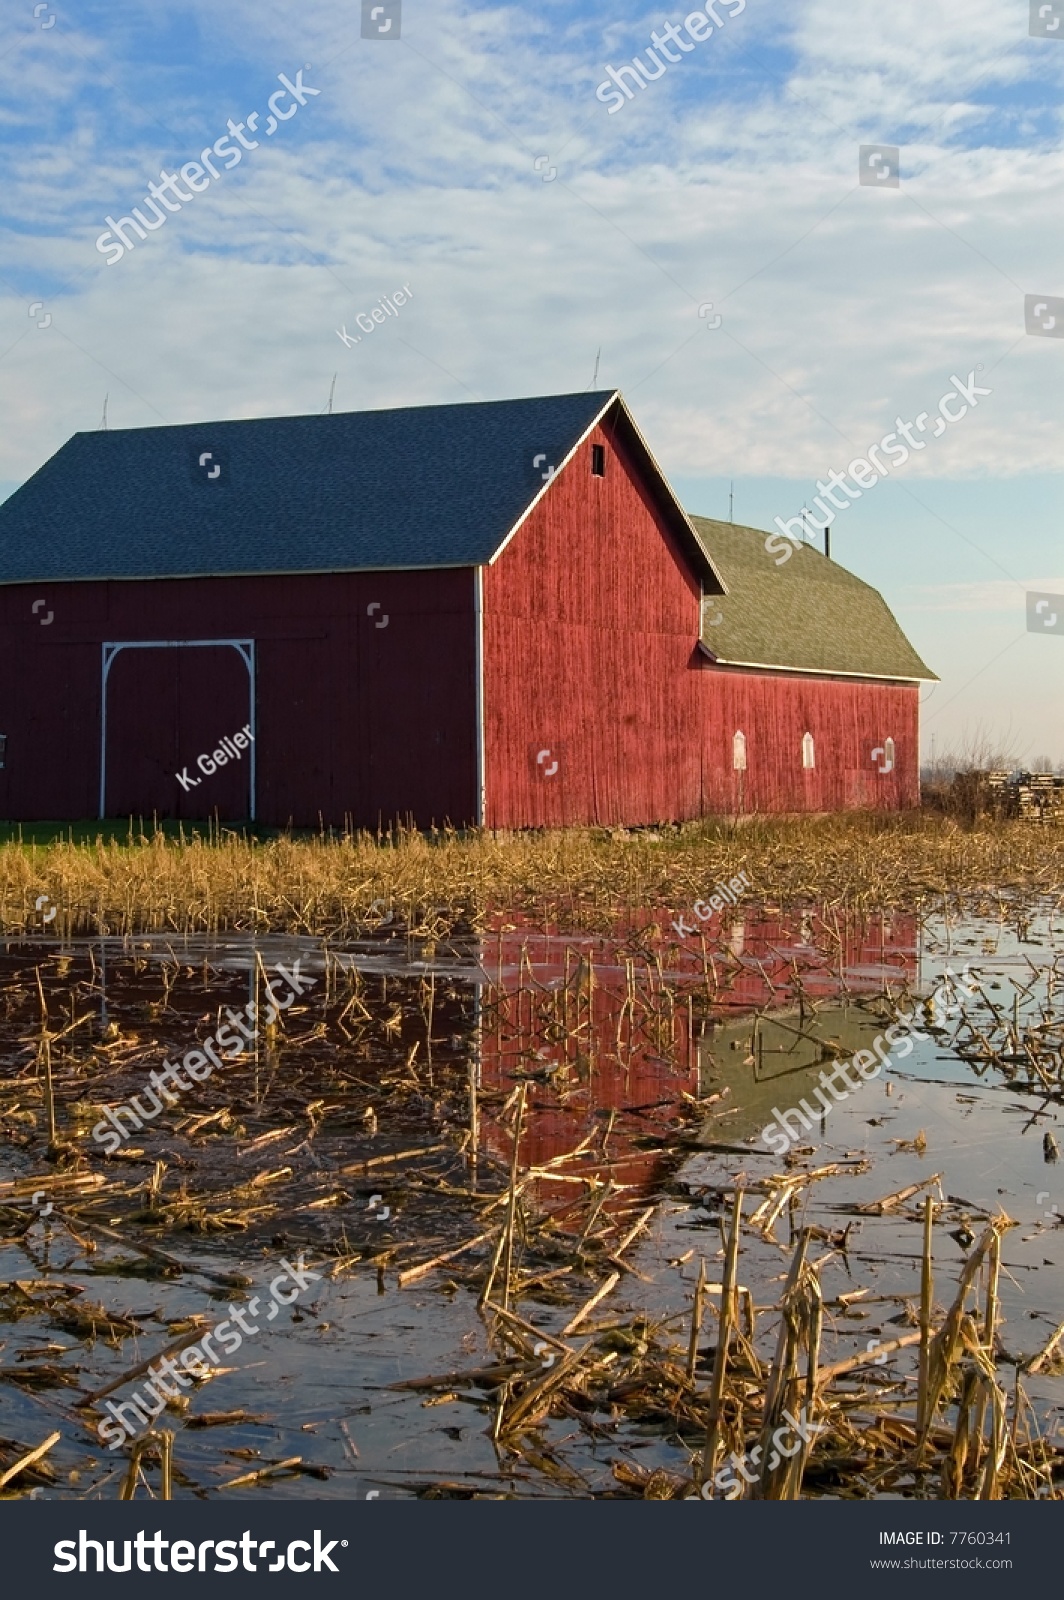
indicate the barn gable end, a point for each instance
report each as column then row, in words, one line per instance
column 591, row 625
column 622, row 675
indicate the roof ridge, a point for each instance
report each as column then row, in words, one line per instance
column 337, row 416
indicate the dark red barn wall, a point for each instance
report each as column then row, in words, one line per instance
column 591, row 623
column 354, row 720
column 163, row 704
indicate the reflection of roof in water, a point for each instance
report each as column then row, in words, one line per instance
column 789, row 1050
column 575, row 1068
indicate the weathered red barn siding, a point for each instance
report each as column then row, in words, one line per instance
column 590, row 627
column 848, row 719
column 591, row 657
column 354, row 720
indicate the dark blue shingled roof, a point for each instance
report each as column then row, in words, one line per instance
column 422, row 486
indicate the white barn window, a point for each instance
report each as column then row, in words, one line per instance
column 739, row 752
column 808, row 752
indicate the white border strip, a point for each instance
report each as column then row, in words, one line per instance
column 478, row 610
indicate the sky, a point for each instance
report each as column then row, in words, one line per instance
column 706, row 246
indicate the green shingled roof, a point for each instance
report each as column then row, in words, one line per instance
column 808, row 615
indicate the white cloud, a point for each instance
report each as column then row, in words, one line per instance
column 733, row 179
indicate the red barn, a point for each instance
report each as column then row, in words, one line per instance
column 493, row 613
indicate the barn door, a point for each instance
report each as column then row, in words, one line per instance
column 170, row 710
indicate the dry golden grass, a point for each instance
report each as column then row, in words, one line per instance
column 329, row 886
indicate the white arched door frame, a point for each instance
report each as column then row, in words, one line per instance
column 245, row 648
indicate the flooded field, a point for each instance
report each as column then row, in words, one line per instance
column 530, row 1213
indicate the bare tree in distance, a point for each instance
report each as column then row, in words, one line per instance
column 980, row 751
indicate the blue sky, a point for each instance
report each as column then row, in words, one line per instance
column 470, row 158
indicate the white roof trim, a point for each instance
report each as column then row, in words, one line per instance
column 616, row 398
column 527, row 512
column 815, row 672
column 679, row 507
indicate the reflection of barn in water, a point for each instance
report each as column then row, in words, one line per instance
column 610, row 1032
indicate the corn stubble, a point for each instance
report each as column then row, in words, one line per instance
column 369, row 1086
column 334, row 885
